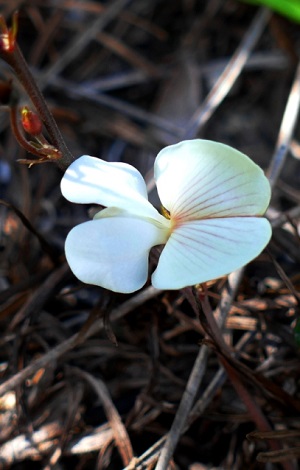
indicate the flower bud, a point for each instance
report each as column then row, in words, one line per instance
column 31, row 122
column 8, row 35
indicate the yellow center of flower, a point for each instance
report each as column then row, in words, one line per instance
column 165, row 213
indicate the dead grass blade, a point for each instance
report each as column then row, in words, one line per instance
column 229, row 75
column 121, row 437
column 195, row 377
column 286, row 131
column 83, row 38
column 55, row 353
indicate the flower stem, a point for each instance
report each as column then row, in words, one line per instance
column 18, row 63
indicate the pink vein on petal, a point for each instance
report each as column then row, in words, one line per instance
column 204, row 191
column 194, row 181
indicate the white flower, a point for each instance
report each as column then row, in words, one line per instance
column 214, row 195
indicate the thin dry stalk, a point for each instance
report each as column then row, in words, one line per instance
column 228, row 77
column 54, row 354
column 286, row 131
column 82, row 40
column 119, row 431
column 196, row 376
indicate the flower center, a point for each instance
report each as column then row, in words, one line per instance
column 165, row 213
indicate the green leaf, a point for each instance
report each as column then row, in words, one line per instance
column 288, row 8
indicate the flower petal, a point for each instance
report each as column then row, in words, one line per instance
column 92, row 180
column 199, row 179
column 162, row 223
column 113, row 252
column 203, row 250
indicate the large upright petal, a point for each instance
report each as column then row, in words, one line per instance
column 207, row 249
column 113, row 252
column 199, row 179
column 92, row 180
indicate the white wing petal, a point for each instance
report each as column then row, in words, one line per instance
column 92, row 180
column 199, row 179
column 203, row 250
column 113, row 252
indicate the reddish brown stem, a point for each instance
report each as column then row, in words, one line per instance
column 212, row 329
column 254, row 410
column 16, row 60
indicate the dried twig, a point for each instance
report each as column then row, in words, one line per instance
column 82, row 40
column 286, row 131
column 119, row 431
column 196, row 376
column 229, row 75
column 58, row 351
